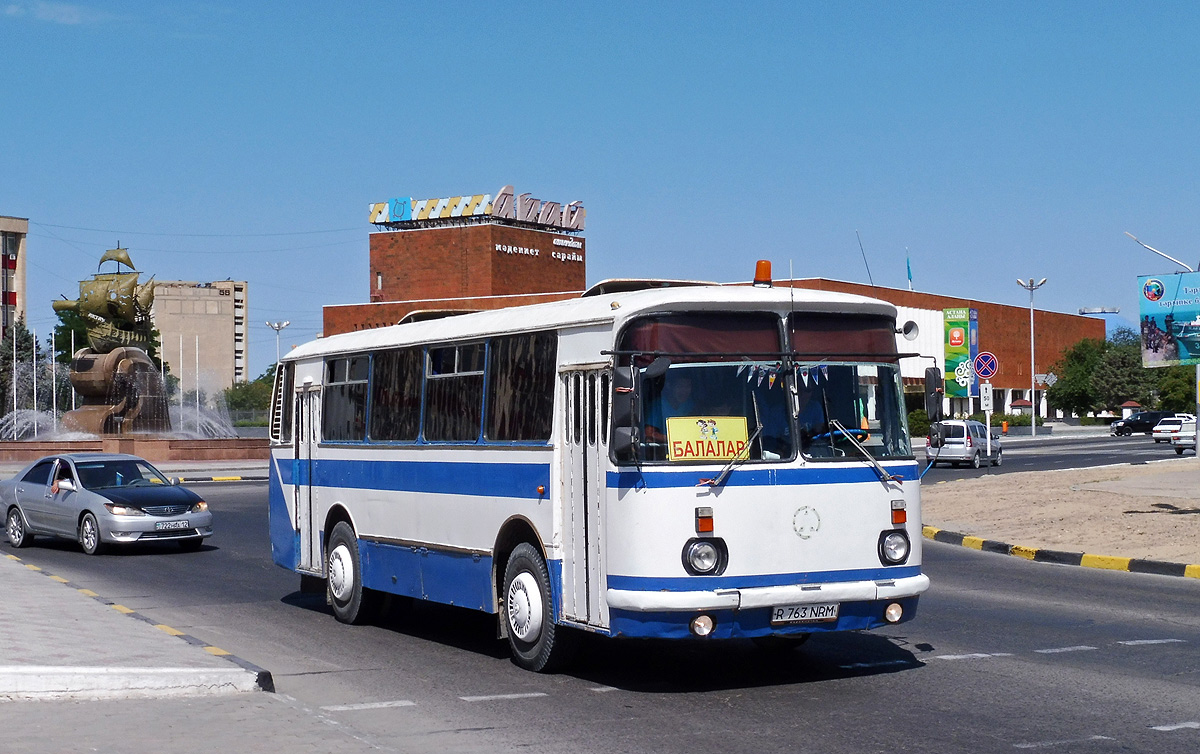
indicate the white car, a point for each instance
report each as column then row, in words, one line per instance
column 1167, row 428
column 1185, row 438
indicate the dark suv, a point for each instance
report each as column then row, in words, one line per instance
column 1142, row 421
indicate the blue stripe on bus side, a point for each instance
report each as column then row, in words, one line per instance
column 285, row 541
column 512, row 480
column 756, row 476
column 707, row 583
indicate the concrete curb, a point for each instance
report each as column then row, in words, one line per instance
column 33, row 682
column 1043, row 555
column 194, row 479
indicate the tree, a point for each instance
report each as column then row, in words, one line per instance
column 251, row 396
column 1075, row 390
column 1119, row 376
column 1177, row 388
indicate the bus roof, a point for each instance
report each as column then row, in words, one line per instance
column 612, row 308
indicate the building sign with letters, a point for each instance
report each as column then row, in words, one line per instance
column 523, row 209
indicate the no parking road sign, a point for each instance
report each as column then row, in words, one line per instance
column 986, row 365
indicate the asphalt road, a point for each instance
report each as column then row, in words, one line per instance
column 1038, row 454
column 1004, row 655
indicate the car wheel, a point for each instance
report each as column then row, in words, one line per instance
column 1178, row 451
column 1157, row 441
column 537, row 644
column 191, row 545
column 89, row 535
column 352, row 603
column 18, row 534
column 976, row 461
column 999, row 458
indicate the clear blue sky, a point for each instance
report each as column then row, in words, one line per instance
column 245, row 140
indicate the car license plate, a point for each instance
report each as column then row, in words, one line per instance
column 170, row 525
column 804, row 613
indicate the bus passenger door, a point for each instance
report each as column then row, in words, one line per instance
column 585, row 459
column 308, row 428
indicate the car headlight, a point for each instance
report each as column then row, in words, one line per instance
column 893, row 547
column 199, row 506
column 124, row 510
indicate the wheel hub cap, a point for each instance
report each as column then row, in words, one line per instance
column 341, row 573
column 525, row 607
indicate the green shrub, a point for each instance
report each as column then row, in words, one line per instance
column 918, row 423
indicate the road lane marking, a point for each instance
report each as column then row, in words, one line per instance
column 882, row 664
column 603, row 689
column 369, row 705
column 1047, row 744
column 972, row 656
column 500, row 697
column 1058, row 650
column 1144, row 642
column 1177, row 726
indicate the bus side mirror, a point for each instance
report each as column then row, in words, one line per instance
column 934, row 390
column 626, row 413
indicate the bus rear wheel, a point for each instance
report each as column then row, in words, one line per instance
column 351, row 602
column 537, row 643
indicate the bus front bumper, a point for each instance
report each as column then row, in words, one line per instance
column 767, row 596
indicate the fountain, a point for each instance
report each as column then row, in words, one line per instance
column 124, row 406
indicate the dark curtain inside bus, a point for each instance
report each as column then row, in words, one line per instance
column 453, row 408
column 847, row 337
column 521, row 371
column 344, row 404
column 700, row 332
column 396, row 395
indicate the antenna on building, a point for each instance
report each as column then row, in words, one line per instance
column 864, row 255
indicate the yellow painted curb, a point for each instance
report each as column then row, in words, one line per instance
column 975, row 543
column 929, row 531
column 1192, row 571
column 12, row 557
column 1024, row 552
column 59, row 579
column 88, row 593
column 32, row 567
column 169, row 630
column 123, row 609
column 227, row 479
column 216, row 651
column 1105, row 561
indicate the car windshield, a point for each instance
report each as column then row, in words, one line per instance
column 122, row 472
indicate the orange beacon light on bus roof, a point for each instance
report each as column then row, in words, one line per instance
column 762, row 273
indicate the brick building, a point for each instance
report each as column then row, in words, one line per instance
column 466, row 253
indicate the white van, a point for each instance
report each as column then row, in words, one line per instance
column 965, row 442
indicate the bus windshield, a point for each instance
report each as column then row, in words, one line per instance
column 861, row 400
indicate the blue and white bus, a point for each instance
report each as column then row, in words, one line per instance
column 692, row 462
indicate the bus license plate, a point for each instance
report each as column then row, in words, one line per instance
column 170, row 525
column 804, row 613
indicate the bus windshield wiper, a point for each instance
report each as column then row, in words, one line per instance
column 884, row 476
column 743, row 455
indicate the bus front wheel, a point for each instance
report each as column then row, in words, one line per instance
column 537, row 644
column 351, row 602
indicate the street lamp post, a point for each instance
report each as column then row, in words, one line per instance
column 277, row 326
column 1031, row 287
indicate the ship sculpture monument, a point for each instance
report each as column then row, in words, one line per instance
column 122, row 391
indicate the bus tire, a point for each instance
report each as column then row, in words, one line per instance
column 351, row 602
column 536, row 642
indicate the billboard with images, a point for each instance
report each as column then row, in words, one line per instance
column 1169, row 319
column 962, row 346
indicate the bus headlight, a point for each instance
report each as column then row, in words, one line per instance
column 893, row 547
column 704, row 557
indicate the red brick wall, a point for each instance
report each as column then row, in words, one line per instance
column 1003, row 330
column 350, row 317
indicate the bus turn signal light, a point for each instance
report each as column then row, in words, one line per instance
column 899, row 514
column 704, row 521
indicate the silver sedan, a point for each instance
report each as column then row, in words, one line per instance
column 100, row 499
